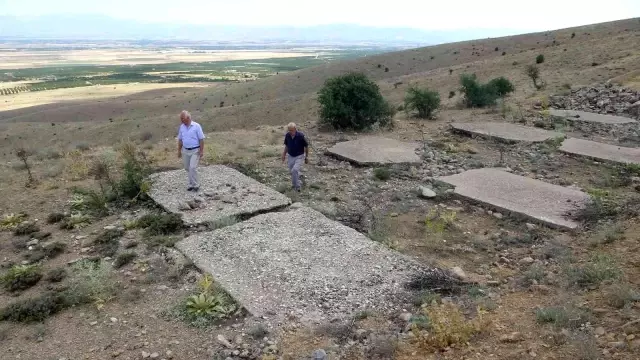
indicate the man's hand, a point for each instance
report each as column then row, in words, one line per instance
column 283, row 158
column 201, row 153
column 179, row 154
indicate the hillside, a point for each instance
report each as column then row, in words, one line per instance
column 525, row 287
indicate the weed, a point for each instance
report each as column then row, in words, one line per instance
column 362, row 315
column 11, row 221
column 134, row 184
column 21, row 277
column 535, row 274
column 108, row 241
column 83, row 147
column 539, row 59
column 90, row 282
column 601, row 206
column 599, row 268
column 476, row 291
column 427, row 297
column 75, row 221
column 54, row 249
column 55, row 218
column 609, row 235
column 439, row 219
column 533, row 72
column 160, row 224
column 448, row 326
column 382, row 347
column 620, row 295
column 146, row 136
column 562, row 316
column 209, row 305
column 35, row 309
column 124, row 259
column 382, row 173
column 26, row 229
column 56, row 275
column 161, row 241
column 24, row 155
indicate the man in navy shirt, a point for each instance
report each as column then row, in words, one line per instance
column 296, row 146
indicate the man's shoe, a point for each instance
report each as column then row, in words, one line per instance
column 195, row 188
column 190, row 188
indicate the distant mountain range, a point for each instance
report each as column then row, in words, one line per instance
column 98, row 27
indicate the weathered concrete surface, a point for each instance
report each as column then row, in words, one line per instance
column 224, row 192
column 600, row 151
column 375, row 150
column 299, row 262
column 536, row 200
column 507, row 131
column 590, row 117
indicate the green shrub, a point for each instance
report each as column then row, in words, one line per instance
column 352, row 101
column 108, row 241
column 124, row 259
column 539, row 59
column 533, row 73
column 160, row 224
column 424, row 101
column 481, row 95
column 55, row 218
column 562, row 317
column 161, row 240
column 26, row 229
column 134, row 183
column 56, row 275
column 452, row 94
column 382, row 173
column 502, row 86
column 21, row 277
column 90, row 282
column 598, row 269
column 35, row 309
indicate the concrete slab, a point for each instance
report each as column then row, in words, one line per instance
column 533, row 199
column 375, row 150
column 224, row 192
column 507, row 131
column 577, row 115
column 600, row 151
column 299, row 262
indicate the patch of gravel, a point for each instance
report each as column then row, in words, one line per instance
column 300, row 263
column 224, row 193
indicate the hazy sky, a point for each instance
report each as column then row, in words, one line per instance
column 424, row 14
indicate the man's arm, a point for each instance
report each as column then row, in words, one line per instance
column 201, row 141
column 284, row 153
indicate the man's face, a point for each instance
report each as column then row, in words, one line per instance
column 184, row 119
column 292, row 131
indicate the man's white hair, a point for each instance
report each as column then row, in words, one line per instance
column 291, row 126
column 186, row 114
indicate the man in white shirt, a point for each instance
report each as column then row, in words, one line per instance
column 190, row 147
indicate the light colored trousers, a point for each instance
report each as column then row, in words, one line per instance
column 295, row 164
column 190, row 159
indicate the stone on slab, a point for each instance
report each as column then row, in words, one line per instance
column 231, row 193
column 577, row 115
column 302, row 263
column 507, row 131
column 600, row 151
column 375, row 150
column 533, row 199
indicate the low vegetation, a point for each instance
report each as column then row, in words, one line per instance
column 448, row 327
column 533, row 72
column 353, row 102
column 598, row 269
column 21, row 277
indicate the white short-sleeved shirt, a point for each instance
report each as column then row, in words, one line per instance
column 191, row 135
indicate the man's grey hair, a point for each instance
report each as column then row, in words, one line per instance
column 186, row 114
column 291, row 126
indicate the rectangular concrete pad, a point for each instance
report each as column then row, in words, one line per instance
column 590, row 117
column 231, row 193
column 600, row 151
column 536, row 200
column 375, row 150
column 507, row 131
column 300, row 262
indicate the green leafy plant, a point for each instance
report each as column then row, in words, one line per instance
column 481, row 95
column 598, row 269
column 437, row 220
column 21, row 277
column 539, row 59
column 382, row 173
column 26, row 228
column 160, row 224
column 425, row 101
column 533, row 72
column 11, row 221
column 352, row 101
column 124, row 259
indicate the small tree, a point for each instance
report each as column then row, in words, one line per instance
column 23, row 154
column 533, row 73
column 353, row 101
column 539, row 59
column 502, row 86
column 423, row 100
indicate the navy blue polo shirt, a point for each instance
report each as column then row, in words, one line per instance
column 296, row 144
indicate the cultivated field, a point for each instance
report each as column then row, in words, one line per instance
column 530, row 291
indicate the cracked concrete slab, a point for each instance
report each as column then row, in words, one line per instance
column 577, row 115
column 224, row 193
column 600, row 151
column 375, row 150
column 507, row 131
column 298, row 262
column 533, row 199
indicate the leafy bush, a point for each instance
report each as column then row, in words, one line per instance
column 480, row 95
column 56, row 275
column 124, row 259
column 533, row 73
column 382, row 173
column 26, row 229
column 352, row 101
column 11, row 221
column 108, row 241
column 502, row 86
column 134, row 183
column 35, row 309
column 423, row 100
column 21, row 277
column 90, row 282
column 55, row 218
column 208, row 305
column 539, row 59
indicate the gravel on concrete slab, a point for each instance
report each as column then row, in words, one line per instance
column 600, row 151
column 577, row 115
column 374, row 150
column 300, row 263
column 507, row 131
column 223, row 193
column 542, row 202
